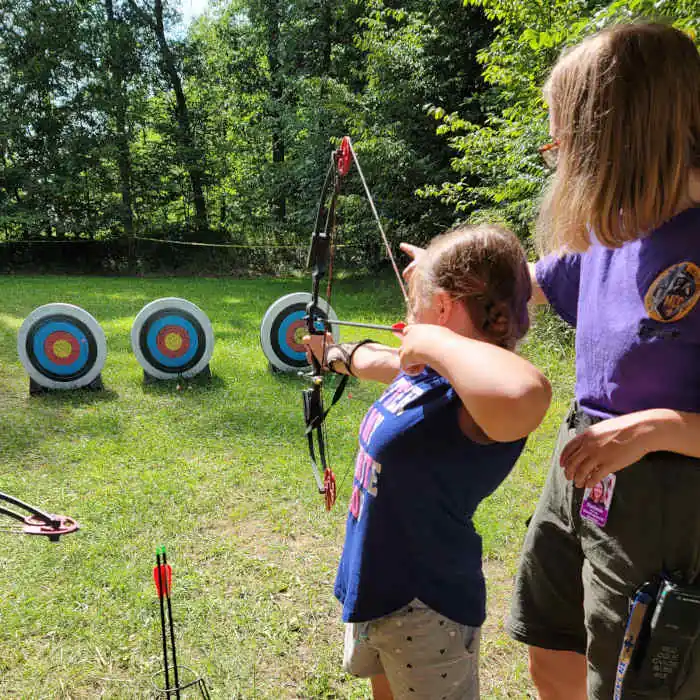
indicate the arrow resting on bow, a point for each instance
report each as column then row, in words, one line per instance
column 320, row 260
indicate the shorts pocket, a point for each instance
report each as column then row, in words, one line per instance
column 472, row 637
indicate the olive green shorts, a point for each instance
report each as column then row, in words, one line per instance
column 575, row 580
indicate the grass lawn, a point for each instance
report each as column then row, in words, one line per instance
column 220, row 475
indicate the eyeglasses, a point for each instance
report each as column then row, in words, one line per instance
column 550, row 154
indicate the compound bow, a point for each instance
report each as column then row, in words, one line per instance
column 35, row 521
column 320, row 260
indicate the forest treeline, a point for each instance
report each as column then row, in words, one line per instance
column 118, row 123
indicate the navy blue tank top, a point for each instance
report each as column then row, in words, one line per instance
column 418, row 480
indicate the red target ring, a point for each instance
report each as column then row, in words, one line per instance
column 62, row 348
column 295, row 332
column 173, row 341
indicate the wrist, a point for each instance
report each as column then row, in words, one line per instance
column 660, row 428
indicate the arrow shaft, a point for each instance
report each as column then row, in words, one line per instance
column 375, row 326
column 161, row 591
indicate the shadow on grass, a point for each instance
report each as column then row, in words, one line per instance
column 73, row 397
column 187, row 387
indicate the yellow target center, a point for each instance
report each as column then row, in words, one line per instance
column 173, row 342
column 62, row 348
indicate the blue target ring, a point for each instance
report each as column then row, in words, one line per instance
column 284, row 325
column 171, row 338
column 181, row 360
column 50, row 365
column 61, row 346
column 286, row 329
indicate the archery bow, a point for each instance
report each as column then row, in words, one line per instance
column 320, row 260
column 35, row 521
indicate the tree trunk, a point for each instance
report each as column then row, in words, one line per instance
column 117, row 100
column 279, row 203
column 189, row 152
column 191, row 155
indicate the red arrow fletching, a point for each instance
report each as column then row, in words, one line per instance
column 345, row 157
column 166, row 576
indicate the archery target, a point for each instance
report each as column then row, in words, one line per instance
column 61, row 346
column 284, row 325
column 172, row 338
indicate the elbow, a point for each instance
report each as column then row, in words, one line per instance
column 522, row 411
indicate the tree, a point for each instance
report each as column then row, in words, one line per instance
column 187, row 146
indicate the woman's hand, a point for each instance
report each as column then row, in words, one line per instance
column 607, row 447
column 414, row 252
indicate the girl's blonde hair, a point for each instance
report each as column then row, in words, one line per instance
column 625, row 107
column 485, row 267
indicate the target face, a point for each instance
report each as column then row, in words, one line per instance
column 283, row 327
column 172, row 338
column 61, row 346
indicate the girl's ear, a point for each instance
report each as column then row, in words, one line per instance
column 444, row 306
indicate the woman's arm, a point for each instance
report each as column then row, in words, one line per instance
column 505, row 395
column 538, row 296
column 614, row 444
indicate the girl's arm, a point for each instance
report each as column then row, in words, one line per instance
column 505, row 395
column 614, row 444
column 372, row 361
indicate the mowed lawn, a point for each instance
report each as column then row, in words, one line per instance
column 220, row 475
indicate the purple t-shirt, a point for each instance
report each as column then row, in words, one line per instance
column 637, row 319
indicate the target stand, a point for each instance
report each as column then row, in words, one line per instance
column 172, row 338
column 283, row 327
column 62, row 346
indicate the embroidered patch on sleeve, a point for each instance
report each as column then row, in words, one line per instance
column 674, row 293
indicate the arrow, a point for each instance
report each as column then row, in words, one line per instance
column 170, row 618
column 396, row 328
column 160, row 576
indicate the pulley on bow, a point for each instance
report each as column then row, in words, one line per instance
column 320, row 260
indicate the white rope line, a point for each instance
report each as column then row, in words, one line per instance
column 379, row 223
column 252, row 246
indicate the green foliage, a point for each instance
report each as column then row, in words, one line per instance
column 113, row 126
column 108, row 125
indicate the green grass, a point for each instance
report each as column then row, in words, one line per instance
column 220, row 475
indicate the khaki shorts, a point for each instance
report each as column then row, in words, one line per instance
column 424, row 655
column 576, row 579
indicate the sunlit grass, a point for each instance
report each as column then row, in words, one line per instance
column 220, row 475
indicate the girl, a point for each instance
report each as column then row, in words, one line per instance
column 625, row 118
column 442, row 437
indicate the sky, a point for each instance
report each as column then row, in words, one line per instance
column 192, row 9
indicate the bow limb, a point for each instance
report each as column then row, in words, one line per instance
column 320, row 261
